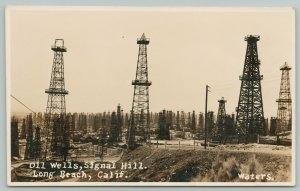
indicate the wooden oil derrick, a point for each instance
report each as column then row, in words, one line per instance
column 37, row 146
column 284, row 112
column 178, row 128
column 29, row 151
column 139, row 119
column 193, row 123
column 56, row 106
column 221, row 120
column 119, row 124
column 23, row 129
column 250, row 113
column 14, row 138
column 163, row 126
column 211, row 130
column 200, row 126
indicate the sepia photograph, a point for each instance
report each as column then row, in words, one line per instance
column 150, row 96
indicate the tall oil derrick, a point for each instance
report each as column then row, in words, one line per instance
column 103, row 130
column 96, row 122
column 126, row 121
column 103, row 122
column 23, row 129
column 193, row 123
column 169, row 116
column 183, row 124
column 273, row 126
column 229, row 128
column 266, row 126
column 163, row 126
column 178, row 121
column 156, row 117
column 221, row 118
column 139, row 124
column 151, row 120
column 173, row 120
column 250, row 113
column 90, row 121
column 79, row 122
column 131, row 143
column 119, row 124
column 108, row 120
column 182, row 120
column 82, row 122
column 56, row 105
column 200, row 127
column 113, row 129
column 99, row 122
column 189, row 121
column 284, row 112
column 37, row 143
column 14, row 138
column 34, row 118
column 39, row 119
column 29, row 151
column 210, row 124
column 73, row 125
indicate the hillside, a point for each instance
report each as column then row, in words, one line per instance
column 214, row 165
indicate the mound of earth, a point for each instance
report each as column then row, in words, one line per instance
column 201, row 166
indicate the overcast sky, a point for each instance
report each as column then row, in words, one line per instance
column 189, row 48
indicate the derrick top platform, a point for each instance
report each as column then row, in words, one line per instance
column 285, row 67
column 59, row 46
column 252, row 38
column 143, row 40
column 222, row 100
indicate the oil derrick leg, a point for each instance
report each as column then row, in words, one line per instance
column 56, row 125
column 250, row 113
column 139, row 119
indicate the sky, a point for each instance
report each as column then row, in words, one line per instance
column 189, row 49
